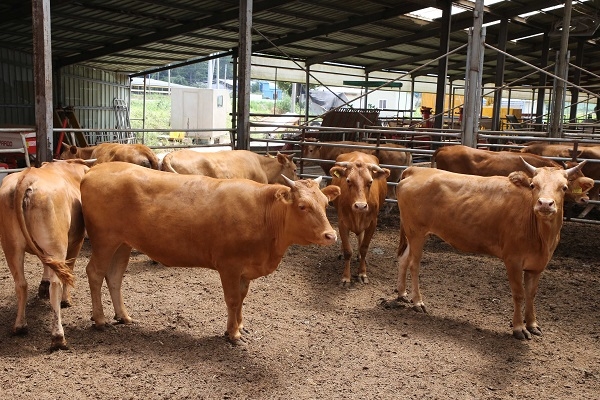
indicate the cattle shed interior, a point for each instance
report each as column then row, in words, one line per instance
column 91, row 50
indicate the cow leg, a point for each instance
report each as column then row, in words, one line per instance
column 58, row 334
column 15, row 259
column 532, row 280
column 515, row 279
column 244, row 287
column 96, row 270
column 72, row 254
column 364, row 240
column 346, row 251
column 411, row 258
column 114, row 279
column 233, row 288
column 44, row 288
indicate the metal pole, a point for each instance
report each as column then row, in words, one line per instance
column 562, row 64
column 473, row 78
column 245, row 53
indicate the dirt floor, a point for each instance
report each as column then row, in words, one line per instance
column 314, row 339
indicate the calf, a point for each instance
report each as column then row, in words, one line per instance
column 40, row 213
column 105, row 152
column 363, row 188
column 516, row 218
column 232, row 164
column 237, row 227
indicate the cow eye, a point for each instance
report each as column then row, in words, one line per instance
column 302, row 207
column 532, row 185
column 348, row 181
column 369, row 183
column 565, row 188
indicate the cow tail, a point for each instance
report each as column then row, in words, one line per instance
column 403, row 243
column 22, row 202
column 153, row 159
column 433, row 164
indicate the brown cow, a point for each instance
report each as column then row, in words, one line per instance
column 242, row 164
column 386, row 157
column 516, row 218
column 363, row 187
column 237, row 227
column 105, row 152
column 591, row 169
column 40, row 210
column 470, row 161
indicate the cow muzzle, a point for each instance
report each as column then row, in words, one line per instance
column 329, row 238
column 545, row 207
column 361, row 206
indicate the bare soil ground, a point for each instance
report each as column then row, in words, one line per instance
column 312, row 338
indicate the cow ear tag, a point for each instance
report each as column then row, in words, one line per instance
column 336, row 174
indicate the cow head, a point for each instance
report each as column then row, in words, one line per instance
column 288, row 168
column 69, row 152
column 306, row 218
column 579, row 186
column 311, row 150
column 355, row 179
column 548, row 186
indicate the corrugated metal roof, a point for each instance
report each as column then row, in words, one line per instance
column 130, row 36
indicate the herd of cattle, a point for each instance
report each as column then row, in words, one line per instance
column 505, row 204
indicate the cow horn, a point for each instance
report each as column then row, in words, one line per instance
column 530, row 167
column 345, row 164
column 288, row 181
column 375, row 168
column 318, row 180
column 576, row 168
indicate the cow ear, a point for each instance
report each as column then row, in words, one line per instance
column 331, row 191
column 337, row 171
column 281, row 158
column 73, row 149
column 586, row 184
column 284, row 194
column 385, row 172
column 519, row 178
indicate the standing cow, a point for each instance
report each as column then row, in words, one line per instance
column 516, row 218
column 237, row 227
column 40, row 213
column 242, row 164
column 363, row 189
column 386, row 157
column 471, row 161
column 105, row 152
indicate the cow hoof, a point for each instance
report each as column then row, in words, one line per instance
column 65, row 304
column 363, row 279
column 403, row 299
column 244, row 331
column 21, row 331
column 535, row 330
column 522, row 334
column 420, row 308
column 58, row 343
column 238, row 342
column 123, row 320
column 346, row 283
column 44, row 290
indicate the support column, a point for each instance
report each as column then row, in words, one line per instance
column 245, row 53
column 499, row 81
column 446, row 7
column 473, row 78
column 561, row 69
column 42, row 79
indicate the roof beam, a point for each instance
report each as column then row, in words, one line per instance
column 211, row 20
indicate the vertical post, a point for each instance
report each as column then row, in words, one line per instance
column 440, row 97
column 307, row 93
column 42, row 78
column 499, row 79
column 539, row 112
column 234, row 102
column 245, row 53
column 562, row 67
column 473, row 78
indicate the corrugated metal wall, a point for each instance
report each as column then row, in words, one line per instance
column 90, row 92
column 16, row 89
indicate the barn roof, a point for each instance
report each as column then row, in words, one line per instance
column 133, row 36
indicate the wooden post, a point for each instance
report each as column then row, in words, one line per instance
column 42, row 79
column 245, row 53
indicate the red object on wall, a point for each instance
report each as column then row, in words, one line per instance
column 426, row 113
